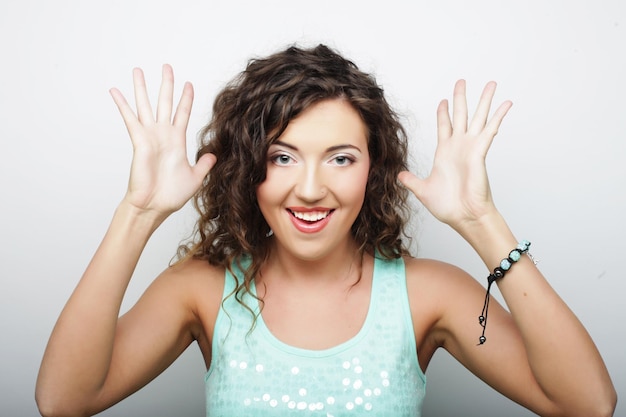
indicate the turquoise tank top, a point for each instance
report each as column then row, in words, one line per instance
column 375, row 373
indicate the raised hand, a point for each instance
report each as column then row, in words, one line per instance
column 457, row 190
column 161, row 179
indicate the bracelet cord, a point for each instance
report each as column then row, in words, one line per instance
column 499, row 272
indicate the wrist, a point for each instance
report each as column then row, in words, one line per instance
column 490, row 236
column 142, row 221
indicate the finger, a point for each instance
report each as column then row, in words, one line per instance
column 183, row 110
column 482, row 110
column 459, row 108
column 127, row 113
column 444, row 125
column 496, row 120
column 492, row 127
column 410, row 181
column 144, row 110
column 204, row 165
column 164, row 106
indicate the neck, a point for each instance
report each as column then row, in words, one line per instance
column 341, row 265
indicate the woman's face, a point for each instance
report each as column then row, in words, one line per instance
column 316, row 177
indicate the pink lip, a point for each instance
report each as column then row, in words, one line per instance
column 308, row 209
column 309, row 227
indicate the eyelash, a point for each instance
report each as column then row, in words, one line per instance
column 275, row 159
column 348, row 160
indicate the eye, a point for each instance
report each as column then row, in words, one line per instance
column 282, row 159
column 342, row 160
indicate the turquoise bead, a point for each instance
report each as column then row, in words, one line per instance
column 523, row 245
column 505, row 264
column 515, row 255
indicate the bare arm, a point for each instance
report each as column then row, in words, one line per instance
column 91, row 360
column 536, row 354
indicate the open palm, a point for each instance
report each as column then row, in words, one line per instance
column 161, row 178
column 457, row 190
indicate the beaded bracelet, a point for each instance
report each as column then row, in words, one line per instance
column 499, row 272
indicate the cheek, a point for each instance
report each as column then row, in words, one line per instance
column 271, row 193
column 351, row 187
column 263, row 196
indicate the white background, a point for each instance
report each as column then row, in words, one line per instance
column 558, row 166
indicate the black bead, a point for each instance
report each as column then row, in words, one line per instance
column 482, row 340
column 498, row 272
column 481, row 319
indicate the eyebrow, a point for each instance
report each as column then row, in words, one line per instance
column 331, row 149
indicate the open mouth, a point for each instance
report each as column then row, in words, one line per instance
column 311, row 216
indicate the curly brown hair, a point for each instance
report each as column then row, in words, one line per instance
column 250, row 113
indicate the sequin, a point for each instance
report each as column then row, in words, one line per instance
column 346, row 381
column 357, row 384
column 330, row 400
column 302, row 392
column 259, row 368
column 302, row 405
column 350, row 405
column 295, row 370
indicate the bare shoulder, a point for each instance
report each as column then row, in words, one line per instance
column 191, row 287
column 431, row 284
column 201, row 285
column 436, row 277
column 438, row 293
column 195, row 271
column 201, row 282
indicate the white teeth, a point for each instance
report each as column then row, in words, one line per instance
column 311, row 216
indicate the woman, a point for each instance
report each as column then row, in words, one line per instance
column 298, row 287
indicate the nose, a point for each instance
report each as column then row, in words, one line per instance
column 310, row 184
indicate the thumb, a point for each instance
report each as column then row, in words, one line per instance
column 204, row 165
column 410, row 181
